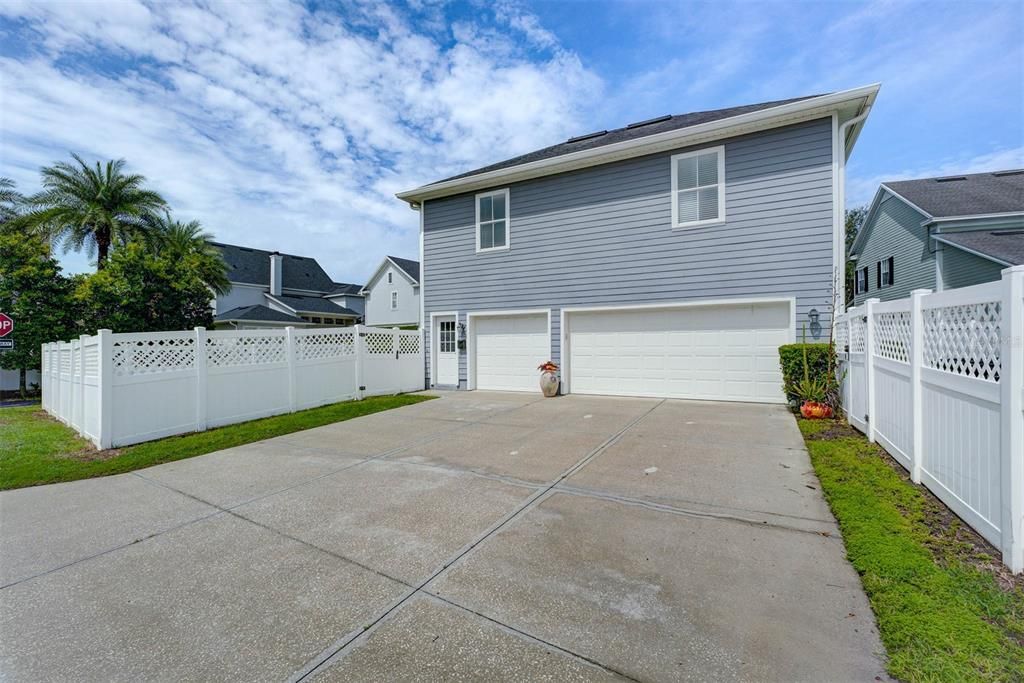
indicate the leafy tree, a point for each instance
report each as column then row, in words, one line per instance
column 143, row 291
column 92, row 208
column 854, row 222
column 188, row 241
column 37, row 295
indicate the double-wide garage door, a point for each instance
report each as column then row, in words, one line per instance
column 714, row 352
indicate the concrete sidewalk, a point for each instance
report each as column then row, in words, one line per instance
column 479, row 536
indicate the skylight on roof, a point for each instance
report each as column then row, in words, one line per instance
column 647, row 122
column 595, row 134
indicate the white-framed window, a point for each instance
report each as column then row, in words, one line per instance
column 698, row 187
column 446, row 336
column 492, row 220
column 390, row 277
column 885, row 274
column 861, row 285
column 394, row 300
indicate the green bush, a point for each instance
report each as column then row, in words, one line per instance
column 819, row 358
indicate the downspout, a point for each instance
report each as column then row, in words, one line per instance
column 841, row 151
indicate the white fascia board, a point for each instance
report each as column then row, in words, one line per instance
column 288, row 309
column 773, row 117
column 858, row 241
column 979, row 254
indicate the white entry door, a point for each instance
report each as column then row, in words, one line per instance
column 714, row 352
column 447, row 354
column 507, row 350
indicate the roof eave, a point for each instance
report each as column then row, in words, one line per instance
column 772, row 117
column 976, row 252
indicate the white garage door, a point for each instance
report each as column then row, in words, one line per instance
column 725, row 353
column 508, row 349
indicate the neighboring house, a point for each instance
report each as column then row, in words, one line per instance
column 939, row 233
column 668, row 258
column 270, row 289
column 393, row 294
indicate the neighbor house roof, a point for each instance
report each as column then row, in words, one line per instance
column 411, row 268
column 345, row 288
column 258, row 313
column 972, row 194
column 1004, row 246
column 655, row 135
column 312, row 304
column 252, row 266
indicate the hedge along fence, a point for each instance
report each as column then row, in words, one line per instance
column 791, row 358
column 121, row 389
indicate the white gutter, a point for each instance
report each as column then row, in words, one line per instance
column 841, row 149
column 735, row 125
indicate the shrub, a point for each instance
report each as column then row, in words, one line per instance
column 821, row 364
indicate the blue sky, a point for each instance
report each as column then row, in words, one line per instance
column 290, row 126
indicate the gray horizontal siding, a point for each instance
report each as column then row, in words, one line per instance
column 895, row 230
column 603, row 236
column 963, row 269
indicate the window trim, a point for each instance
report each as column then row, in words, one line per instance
column 394, row 300
column 673, row 189
column 857, row 289
column 508, row 219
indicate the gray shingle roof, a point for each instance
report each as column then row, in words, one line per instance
column 246, row 264
column 345, row 288
column 258, row 313
column 1004, row 245
column 411, row 268
column 965, row 195
column 631, row 132
column 315, row 304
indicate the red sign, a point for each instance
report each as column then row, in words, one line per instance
column 6, row 325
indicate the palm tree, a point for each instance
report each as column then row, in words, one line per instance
column 183, row 240
column 92, row 208
column 11, row 201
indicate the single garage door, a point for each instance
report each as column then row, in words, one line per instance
column 508, row 349
column 714, row 352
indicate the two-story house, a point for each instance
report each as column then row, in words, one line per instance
column 939, row 233
column 669, row 258
column 270, row 289
column 392, row 294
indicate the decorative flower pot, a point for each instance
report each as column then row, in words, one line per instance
column 813, row 410
column 549, row 383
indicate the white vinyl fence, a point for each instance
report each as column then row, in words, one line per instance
column 938, row 381
column 120, row 389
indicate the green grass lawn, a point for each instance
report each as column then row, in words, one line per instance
column 37, row 449
column 946, row 609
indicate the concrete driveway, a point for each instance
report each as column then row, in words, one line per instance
column 480, row 536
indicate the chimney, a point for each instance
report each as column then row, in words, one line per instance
column 276, row 265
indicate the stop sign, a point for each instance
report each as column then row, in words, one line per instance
column 6, row 325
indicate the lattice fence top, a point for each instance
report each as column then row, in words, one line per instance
column 858, row 334
column 892, row 335
column 245, row 350
column 964, row 340
column 378, row 343
column 319, row 345
column 408, row 344
column 147, row 356
column 842, row 335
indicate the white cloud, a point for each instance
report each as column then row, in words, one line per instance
column 279, row 127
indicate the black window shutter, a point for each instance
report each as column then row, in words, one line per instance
column 892, row 270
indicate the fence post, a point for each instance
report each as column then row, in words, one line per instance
column 202, row 395
column 1011, row 380
column 358, row 342
column 105, row 351
column 81, row 382
column 289, row 351
column 916, row 362
column 869, row 364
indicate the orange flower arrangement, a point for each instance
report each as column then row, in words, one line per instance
column 547, row 366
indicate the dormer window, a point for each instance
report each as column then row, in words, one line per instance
column 492, row 221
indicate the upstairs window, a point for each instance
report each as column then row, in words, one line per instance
column 862, row 281
column 389, row 277
column 394, row 300
column 698, row 187
column 885, row 274
column 492, row 221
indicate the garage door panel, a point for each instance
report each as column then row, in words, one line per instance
column 712, row 352
column 508, row 349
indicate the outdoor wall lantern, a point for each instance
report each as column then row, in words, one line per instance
column 462, row 337
column 815, row 319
